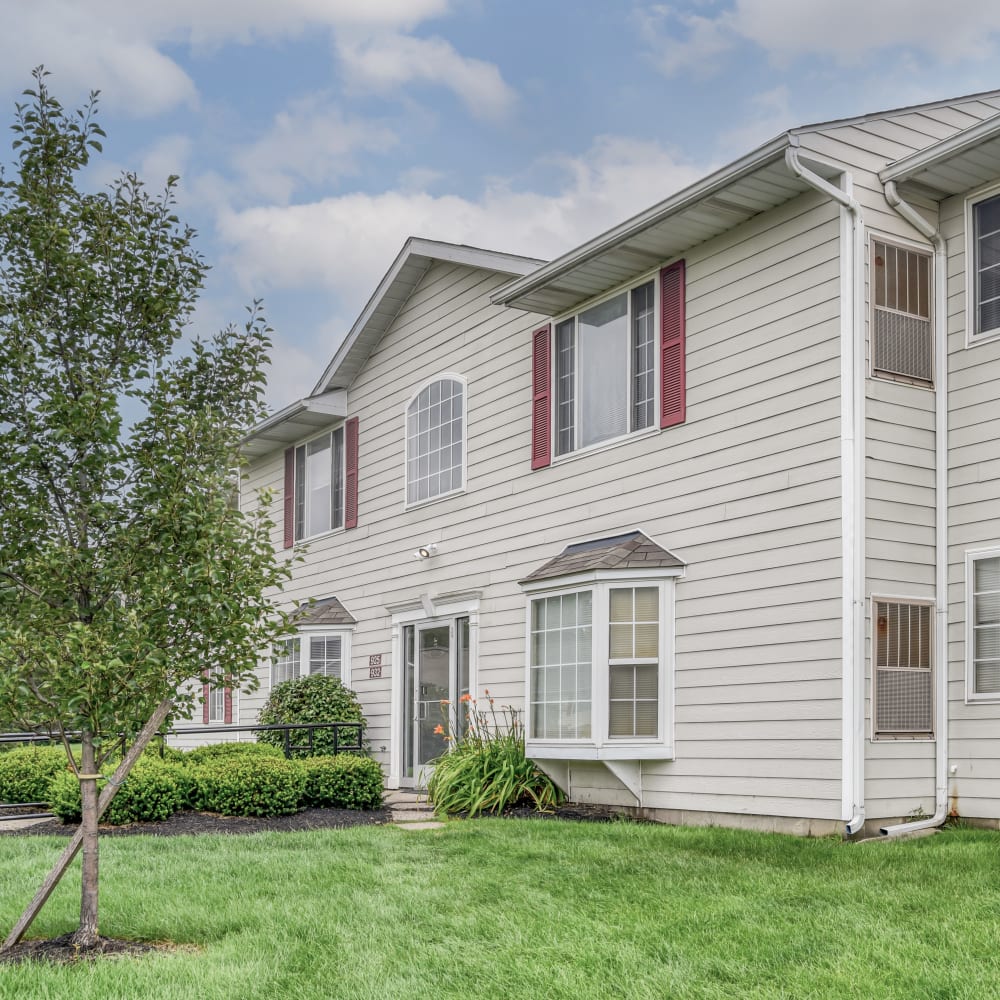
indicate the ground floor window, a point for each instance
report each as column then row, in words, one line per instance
column 982, row 640
column 309, row 653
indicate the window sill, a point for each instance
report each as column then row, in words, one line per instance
column 419, row 504
column 548, row 750
column 596, row 449
column 309, row 539
column 986, row 337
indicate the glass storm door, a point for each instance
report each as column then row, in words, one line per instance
column 435, row 670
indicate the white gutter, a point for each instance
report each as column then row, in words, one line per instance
column 920, row 223
column 852, row 472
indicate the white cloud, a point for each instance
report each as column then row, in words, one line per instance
column 115, row 46
column 769, row 115
column 385, row 62
column 310, row 142
column 847, row 31
column 346, row 243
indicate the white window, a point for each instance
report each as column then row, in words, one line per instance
column 984, row 273
column 902, row 337
column 319, row 484
column 435, row 439
column 903, row 658
column 308, row 653
column 599, row 669
column 605, row 370
column 216, row 704
column 982, row 640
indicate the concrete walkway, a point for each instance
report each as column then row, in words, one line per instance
column 410, row 810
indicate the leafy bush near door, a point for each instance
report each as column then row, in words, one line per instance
column 27, row 772
column 346, row 781
column 312, row 699
column 484, row 769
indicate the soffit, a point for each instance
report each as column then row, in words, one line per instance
column 295, row 422
column 756, row 183
column 965, row 161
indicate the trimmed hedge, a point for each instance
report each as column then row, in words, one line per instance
column 229, row 751
column 27, row 772
column 345, row 782
column 150, row 793
column 316, row 698
column 262, row 786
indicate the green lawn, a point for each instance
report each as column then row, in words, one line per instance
column 527, row 909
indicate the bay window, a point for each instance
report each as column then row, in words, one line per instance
column 308, row 653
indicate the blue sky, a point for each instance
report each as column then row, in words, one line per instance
column 313, row 136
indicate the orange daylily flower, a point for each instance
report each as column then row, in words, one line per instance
column 466, row 697
column 438, row 729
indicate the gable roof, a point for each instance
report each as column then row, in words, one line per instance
column 410, row 265
column 755, row 183
column 632, row 551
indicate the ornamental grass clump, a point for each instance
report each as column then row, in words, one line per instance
column 484, row 769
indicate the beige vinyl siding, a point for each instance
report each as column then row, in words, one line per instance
column 899, row 437
column 974, row 523
column 747, row 492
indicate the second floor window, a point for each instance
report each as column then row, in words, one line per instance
column 435, row 436
column 319, row 484
column 605, row 368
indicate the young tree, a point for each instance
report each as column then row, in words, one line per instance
column 126, row 576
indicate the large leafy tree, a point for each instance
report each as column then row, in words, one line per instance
column 126, row 575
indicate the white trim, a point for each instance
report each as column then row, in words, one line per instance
column 972, row 338
column 599, row 746
column 456, row 377
column 308, row 633
column 625, row 288
column 971, row 557
column 333, row 529
column 583, row 580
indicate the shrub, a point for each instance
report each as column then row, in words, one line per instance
column 150, row 793
column 486, row 771
column 315, row 698
column 345, row 781
column 261, row 786
column 229, row 751
column 27, row 772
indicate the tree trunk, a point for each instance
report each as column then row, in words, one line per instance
column 86, row 933
column 110, row 789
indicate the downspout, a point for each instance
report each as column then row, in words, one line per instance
column 920, row 223
column 852, row 468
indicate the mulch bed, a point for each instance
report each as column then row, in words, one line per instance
column 63, row 951
column 198, row 822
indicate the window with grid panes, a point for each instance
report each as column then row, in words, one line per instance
column 435, row 441
column 984, row 280
column 605, row 370
column 595, row 664
column 983, row 634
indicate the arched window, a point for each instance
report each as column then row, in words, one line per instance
column 435, row 441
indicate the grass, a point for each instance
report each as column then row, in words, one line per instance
column 497, row 908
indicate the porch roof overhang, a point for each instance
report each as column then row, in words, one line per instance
column 755, row 183
column 410, row 265
column 963, row 162
column 294, row 422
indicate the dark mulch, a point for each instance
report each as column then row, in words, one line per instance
column 581, row 812
column 198, row 822
column 63, row 951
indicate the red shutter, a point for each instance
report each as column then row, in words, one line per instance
column 351, row 473
column 289, row 497
column 227, row 709
column 673, row 388
column 204, row 703
column 541, row 397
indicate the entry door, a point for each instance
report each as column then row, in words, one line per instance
column 436, row 670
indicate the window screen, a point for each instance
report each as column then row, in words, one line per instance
column 904, row 681
column 902, row 345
